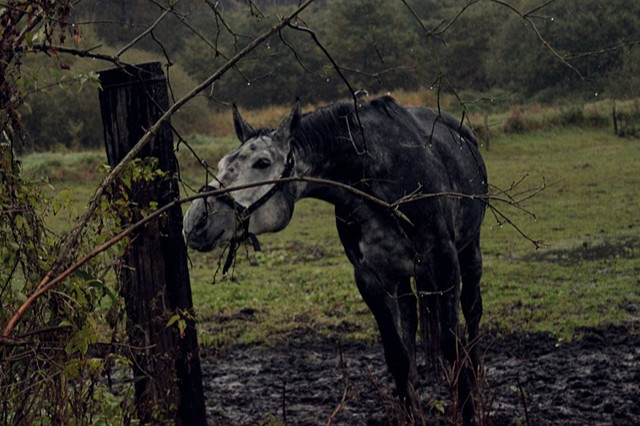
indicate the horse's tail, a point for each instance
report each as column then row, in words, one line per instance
column 429, row 320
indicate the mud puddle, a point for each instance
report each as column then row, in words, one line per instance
column 594, row 380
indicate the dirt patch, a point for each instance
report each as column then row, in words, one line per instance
column 594, row 380
column 610, row 248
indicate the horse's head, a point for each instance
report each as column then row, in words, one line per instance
column 263, row 155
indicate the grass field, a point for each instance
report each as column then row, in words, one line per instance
column 586, row 273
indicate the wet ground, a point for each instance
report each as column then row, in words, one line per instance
column 531, row 379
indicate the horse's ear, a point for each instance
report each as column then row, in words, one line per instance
column 243, row 129
column 290, row 124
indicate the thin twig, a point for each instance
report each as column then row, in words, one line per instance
column 143, row 34
column 497, row 212
column 577, row 55
column 539, row 7
column 83, row 53
column 523, row 398
column 436, row 32
column 78, row 231
column 345, row 392
column 381, row 396
column 338, row 69
column 527, row 18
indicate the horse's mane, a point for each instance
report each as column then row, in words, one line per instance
column 339, row 121
column 322, row 125
column 265, row 131
column 320, row 130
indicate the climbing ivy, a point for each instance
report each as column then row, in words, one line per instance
column 65, row 360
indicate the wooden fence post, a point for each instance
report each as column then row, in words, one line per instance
column 615, row 119
column 487, row 130
column 154, row 275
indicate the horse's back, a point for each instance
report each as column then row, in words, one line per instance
column 431, row 146
column 404, row 150
column 456, row 146
column 419, row 149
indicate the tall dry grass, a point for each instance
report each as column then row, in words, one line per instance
column 510, row 119
column 221, row 123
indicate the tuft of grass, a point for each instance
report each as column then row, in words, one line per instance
column 592, row 197
column 66, row 166
column 519, row 119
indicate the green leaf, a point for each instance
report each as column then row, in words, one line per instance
column 126, row 180
column 182, row 326
column 80, row 341
column 172, row 320
column 65, row 323
column 438, row 405
column 72, row 368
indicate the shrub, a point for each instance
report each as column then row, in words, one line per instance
column 515, row 121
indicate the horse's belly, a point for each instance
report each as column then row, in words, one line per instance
column 387, row 251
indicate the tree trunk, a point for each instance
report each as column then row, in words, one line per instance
column 154, row 274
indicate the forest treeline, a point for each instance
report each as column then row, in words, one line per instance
column 476, row 49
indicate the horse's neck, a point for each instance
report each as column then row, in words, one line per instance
column 344, row 167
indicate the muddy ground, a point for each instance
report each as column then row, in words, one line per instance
column 594, row 380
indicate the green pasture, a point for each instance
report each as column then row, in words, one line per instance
column 585, row 273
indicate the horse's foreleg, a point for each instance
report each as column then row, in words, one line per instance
column 396, row 329
column 407, row 306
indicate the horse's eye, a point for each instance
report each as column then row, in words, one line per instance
column 262, row 163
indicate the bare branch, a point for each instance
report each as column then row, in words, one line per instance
column 143, row 34
column 338, row 69
column 617, row 47
column 527, row 18
column 295, row 55
column 220, row 20
column 345, row 392
column 83, row 53
column 537, row 8
column 394, row 207
column 380, row 73
column 454, row 19
column 506, row 219
column 78, row 231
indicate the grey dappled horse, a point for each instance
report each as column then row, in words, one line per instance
column 389, row 152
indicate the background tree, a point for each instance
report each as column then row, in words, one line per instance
column 478, row 46
column 587, row 34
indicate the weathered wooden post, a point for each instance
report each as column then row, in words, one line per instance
column 154, row 275
column 487, row 131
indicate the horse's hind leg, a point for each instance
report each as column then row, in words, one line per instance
column 440, row 285
column 471, row 300
column 470, row 260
